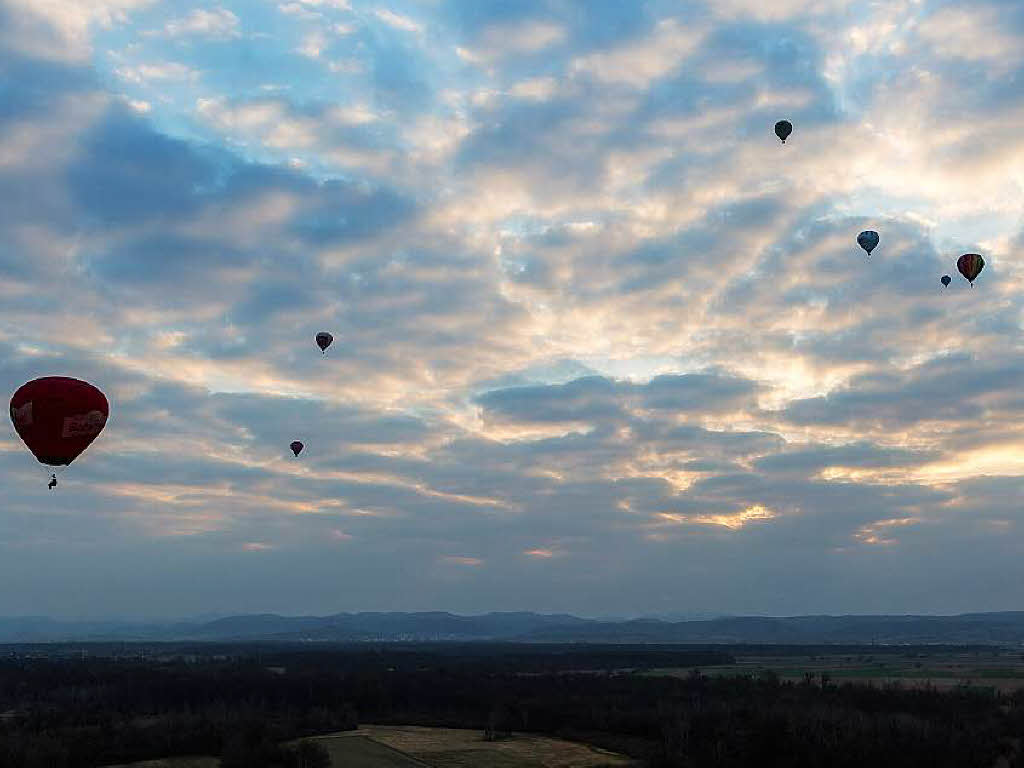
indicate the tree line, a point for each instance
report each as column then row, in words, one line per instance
column 80, row 713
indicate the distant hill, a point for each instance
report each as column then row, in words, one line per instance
column 972, row 628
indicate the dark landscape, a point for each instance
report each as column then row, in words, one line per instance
column 94, row 704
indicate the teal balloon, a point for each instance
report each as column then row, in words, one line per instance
column 868, row 240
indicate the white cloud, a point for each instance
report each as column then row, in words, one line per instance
column 274, row 125
column 536, row 89
column 313, row 44
column 216, row 23
column 638, row 64
column 140, row 105
column 974, row 33
column 397, row 20
column 143, row 73
column 71, row 20
column 500, row 41
column 311, row 9
column 779, row 10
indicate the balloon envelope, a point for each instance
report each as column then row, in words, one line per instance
column 945, row 279
column 970, row 266
column 868, row 240
column 296, row 447
column 58, row 417
column 323, row 340
column 782, row 129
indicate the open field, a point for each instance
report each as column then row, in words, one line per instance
column 348, row 750
column 354, row 750
column 462, row 748
column 1003, row 670
column 175, row 762
column 398, row 746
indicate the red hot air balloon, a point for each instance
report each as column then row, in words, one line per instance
column 970, row 266
column 296, row 447
column 58, row 417
column 323, row 340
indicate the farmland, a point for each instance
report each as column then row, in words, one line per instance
column 996, row 668
column 389, row 746
column 175, row 762
column 465, row 748
column 356, row 750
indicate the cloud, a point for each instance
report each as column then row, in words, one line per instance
column 596, row 399
column 458, row 560
column 536, row 89
column 920, row 394
column 640, row 63
column 522, row 38
column 342, row 5
column 593, row 324
column 397, row 20
column 215, row 23
column 149, row 72
column 976, row 33
column 60, row 29
column 129, row 172
column 540, row 554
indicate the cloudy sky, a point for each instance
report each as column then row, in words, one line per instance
column 602, row 344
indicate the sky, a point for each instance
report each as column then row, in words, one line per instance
column 603, row 345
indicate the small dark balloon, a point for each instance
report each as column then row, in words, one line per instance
column 323, row 340
column 783, row 129
column 970, row 266
column 296, row 447
column 945, row 280
column 868, row 240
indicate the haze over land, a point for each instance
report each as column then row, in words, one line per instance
column 979, row 629
column 602, row 344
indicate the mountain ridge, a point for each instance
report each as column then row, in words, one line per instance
column 996, row 628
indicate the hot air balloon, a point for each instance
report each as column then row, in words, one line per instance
column 58, row 417
column 296, row 447
column 868, row 240
column 945, row 280
column 782, row 129
column 323, row 340
column 970, row 266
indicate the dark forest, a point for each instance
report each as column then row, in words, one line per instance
column 108, row 705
